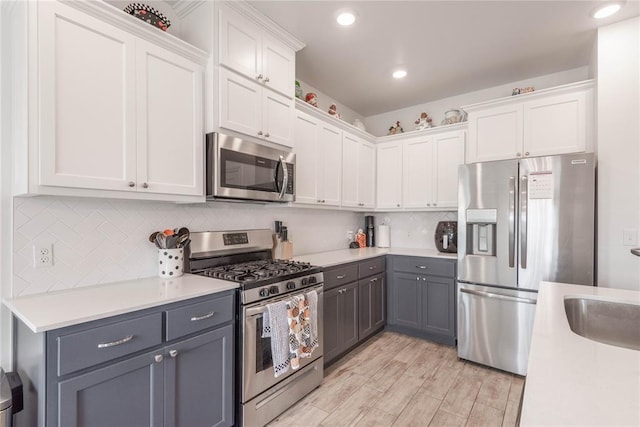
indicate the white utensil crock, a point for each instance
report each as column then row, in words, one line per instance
column 170, row 263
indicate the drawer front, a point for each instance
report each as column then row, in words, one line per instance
column 430, row 266
column 97, row 345
column 341, row 275
column 371, row 267
column 199, row 316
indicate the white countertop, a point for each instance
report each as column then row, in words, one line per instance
column 572, row 380
column 44, row 312
column 342, row 256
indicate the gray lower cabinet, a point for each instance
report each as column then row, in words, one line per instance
column 165, row 366
column 371, row 305
column 340, row 320
column 354, row 305
column 422, row 298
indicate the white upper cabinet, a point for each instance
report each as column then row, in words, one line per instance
column 247, row 49
column 87, row 101
column 448, row 156
column 547, row 122
column 257, row 76
column 170, row 137
column 420, row 172
column 111, row 110
column 318, row 161
column 358, row 172
column 389, row 175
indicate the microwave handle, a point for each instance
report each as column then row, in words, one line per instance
column 285, row 177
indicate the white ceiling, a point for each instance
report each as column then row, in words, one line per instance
column 447, row 47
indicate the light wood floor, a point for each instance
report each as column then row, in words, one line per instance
column 396, row 380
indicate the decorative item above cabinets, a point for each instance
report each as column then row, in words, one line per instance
column 545, row 122
column 115, row 106
column 256, row 75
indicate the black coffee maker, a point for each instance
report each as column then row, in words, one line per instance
column 371, row 238
column 446, row 236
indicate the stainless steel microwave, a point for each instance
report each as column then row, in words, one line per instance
column 241, row 169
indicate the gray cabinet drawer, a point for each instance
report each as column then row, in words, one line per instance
column 93, row 346
column 428, row 266
column 199, row 316
column 371, row 267
column 340, row 276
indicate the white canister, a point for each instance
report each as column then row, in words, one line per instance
column 383, row 238
column 170, row 263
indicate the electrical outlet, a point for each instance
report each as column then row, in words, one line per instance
column 42, row 255
column 629, row 237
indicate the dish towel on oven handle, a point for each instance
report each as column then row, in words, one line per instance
column 278, row 331
column 301, row 342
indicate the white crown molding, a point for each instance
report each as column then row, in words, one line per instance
column 135, row 26
column 253, row 14
column 585, row 84
column 183, row 8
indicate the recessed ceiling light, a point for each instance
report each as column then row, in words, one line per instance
column 399, row 74
column 606, row 10
column 346, row 18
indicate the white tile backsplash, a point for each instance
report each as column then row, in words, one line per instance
column 413, row 229
column 99, row 241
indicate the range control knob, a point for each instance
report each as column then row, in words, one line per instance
column 264, row 292
column 291, row 285
column 273, row 290
column 312, row 279
column 305, row 281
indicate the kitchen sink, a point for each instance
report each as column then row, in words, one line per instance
column 608, row 322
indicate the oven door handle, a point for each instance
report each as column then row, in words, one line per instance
column 254, row 311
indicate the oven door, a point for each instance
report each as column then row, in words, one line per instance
column 241, row 169
column 257, row 365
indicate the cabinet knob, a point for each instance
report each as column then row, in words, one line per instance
column 428, row 204
column 266, row 135
column 518, row 154
column 158, row 358
column 318, row 201
column 526, row 154
column 266, row 79
column 398, row 205
column 145, row 185
column 259, row 77
column 131, row 184
column 323, row 200
column 173, row 353
column 260, row 133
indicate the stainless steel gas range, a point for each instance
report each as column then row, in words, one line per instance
column 245, row 257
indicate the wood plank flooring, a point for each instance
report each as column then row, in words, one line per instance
column 397, row 380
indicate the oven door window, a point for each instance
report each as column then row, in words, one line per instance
column 248, row 172
column 264, row 360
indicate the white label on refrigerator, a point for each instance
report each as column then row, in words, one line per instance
column 541, row 185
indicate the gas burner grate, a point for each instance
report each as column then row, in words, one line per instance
column 255, row 271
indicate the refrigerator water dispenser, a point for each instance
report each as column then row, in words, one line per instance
column 481, row 231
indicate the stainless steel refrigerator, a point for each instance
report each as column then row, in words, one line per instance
column 520, row 222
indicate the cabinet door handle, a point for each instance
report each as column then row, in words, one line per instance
column 318, row 201
column 266, row 79
column 114, row 343
column 422, row 267
column 259, row 133
column 375, row 279
column 259, row 77
column 203, row 317
column 518, row 154
column 131, row 184
column 158, row 358
column 398, row 205
column 342, row 276
column 323, row 201
column 173, row 353
column 526, row 153
column 145, row 185
column 372, row 267
column 266, row 135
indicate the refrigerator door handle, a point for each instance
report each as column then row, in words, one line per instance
column 512, row 220
column 524, row 195
column 497, row 296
